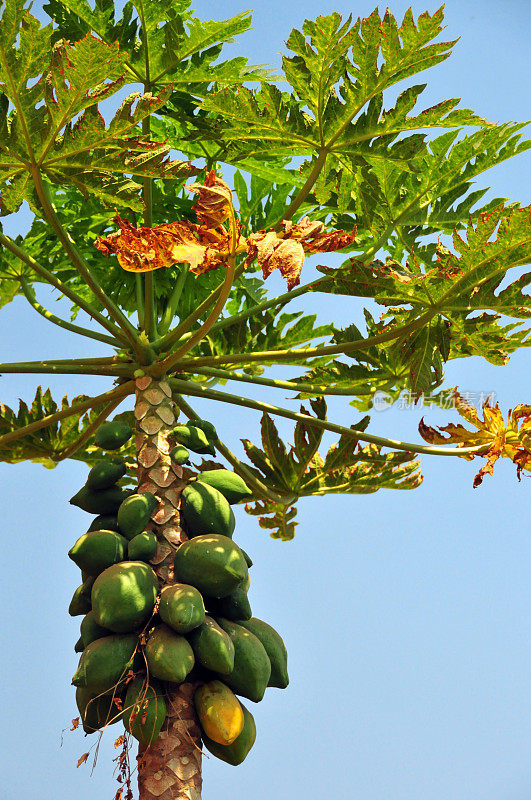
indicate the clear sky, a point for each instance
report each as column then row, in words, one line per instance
column 405, row 614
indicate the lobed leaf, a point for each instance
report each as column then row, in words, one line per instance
column 495, row 438
column 46, row 446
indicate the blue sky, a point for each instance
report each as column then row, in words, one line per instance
column 405, row 614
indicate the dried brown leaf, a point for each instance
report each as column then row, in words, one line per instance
column 82, row 759
column 214, row 200
column 75, row 724
column 119, row 741
column 286, row 251
column 146, row 249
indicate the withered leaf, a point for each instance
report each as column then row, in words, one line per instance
column 75, row 724
column 214, row 201
column 286, row 251
column 274, row 253
column 82, row 759
column 119, row 741
column 314, row 238
column 146, row 249
column 498, row 439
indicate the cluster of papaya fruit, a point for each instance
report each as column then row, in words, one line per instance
column 137, row 639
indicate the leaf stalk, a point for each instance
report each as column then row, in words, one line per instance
column 188, row 388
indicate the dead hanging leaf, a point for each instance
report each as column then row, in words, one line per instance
column 286, row 251
column 314, row 238
column 497, row 439
column 214, row 202
column 119, row 741
column 205, row 246
column 75, row 724
column 274, row 253
column 147, row 249
column 82, row 759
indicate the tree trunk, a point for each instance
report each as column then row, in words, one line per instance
column 171, row 768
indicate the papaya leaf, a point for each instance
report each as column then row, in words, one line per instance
column 39, row 128
column 162, row 41
column 463, row 281
column 423, row 352
column 484, row 336
column 275, row 517
column 362, row 471
column 76, row 18
column 265, row 331
column 324, row 109
column 266, row 120
column 46, row 446
column 496, row 438
column 300, row 471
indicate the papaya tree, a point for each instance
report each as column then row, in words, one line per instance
column 166, row 184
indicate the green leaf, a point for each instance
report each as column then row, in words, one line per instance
column 162, row 41
column 423, row 352
column 263, row 121
column 300, row 471
column 39, row 128
column 76, row 18
column 275, row 517
column 47, row 445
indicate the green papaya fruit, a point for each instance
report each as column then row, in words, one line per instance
column 193, row 438
column 169, row 656
column 205, row 510
column 144, row 710
column 231, row 486
column 104, row 663
column 90, row 630
column 214, row 564
column 105, row 522
column 93, row 552
column 123, row 596
column 142, row 547
column 105, row 474
column 252, row 668
column 79, row 646
column 181, row 607
column 135, row 512
column 98, row 709
column 212, row 647
column 236, row 752
column 219, row 711
column 180, row 454
column 274, row 647
column 80, row 602
column 235, row 606
column 206, row 426
column 113, row 434
column 107, row 501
